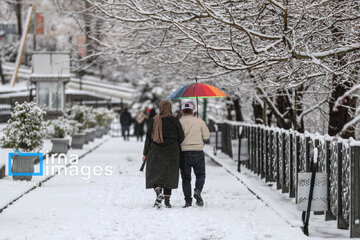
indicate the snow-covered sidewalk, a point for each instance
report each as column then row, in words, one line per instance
column 279, row 202
column 118, row 206
column 10, row 190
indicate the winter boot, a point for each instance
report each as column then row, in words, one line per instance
column 167, row 202
column 197, row 196
column 159, row 197
column 188, row 203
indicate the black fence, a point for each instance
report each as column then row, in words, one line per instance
column 278, row 155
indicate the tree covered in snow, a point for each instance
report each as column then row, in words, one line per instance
column 288, row 59
column 60, row 32
column 26, row 128
column 148, row 96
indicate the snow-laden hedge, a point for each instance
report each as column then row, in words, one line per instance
column 62, row 127
column 26, row 128
column 104, row 116
column 88, row 117
column 84, row 115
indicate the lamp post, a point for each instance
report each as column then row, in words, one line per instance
column 204, row 110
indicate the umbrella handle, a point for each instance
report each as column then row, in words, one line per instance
column 197, row 102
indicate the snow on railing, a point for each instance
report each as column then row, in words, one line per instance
column 278, row 155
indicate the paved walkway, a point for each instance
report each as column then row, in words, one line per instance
column 118, row 206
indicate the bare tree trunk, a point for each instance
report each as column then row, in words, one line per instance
column 269, row 115
column 297, row 110
column 277, row 110
column 258, row 112
column 87, row 29
column 264, row 116
column 237, row 107
column 1, row 73
column 229, row 108
column 17, row 8
column 283, row 104
column 342, row 115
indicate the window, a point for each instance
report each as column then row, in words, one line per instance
column 50, row 94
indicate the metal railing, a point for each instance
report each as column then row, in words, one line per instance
column 278, row 155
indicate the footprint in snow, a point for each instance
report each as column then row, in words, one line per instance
column 267, row 235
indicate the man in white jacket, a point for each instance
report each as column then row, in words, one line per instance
column 195, row 131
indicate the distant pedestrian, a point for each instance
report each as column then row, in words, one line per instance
column 196, row 132
column 125, row 121
column 139, row 125
column 162, row 153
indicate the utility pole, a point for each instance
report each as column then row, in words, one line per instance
column 22, row 46
column 34, row 40
column 204, row 110
column 18, row 13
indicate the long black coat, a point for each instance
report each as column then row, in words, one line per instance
column 125, row 118
column 162, row 160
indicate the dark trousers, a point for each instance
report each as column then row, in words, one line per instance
column 125, row 130
column 195, row 160
column 166, row 191
column 139, row 131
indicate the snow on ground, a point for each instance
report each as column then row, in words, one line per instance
column 280, row 202
column 118, row 206
column 10, row 190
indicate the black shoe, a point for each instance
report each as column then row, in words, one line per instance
column 187, row 205
column 199, row 200
column 159, row 198
column 167, row 202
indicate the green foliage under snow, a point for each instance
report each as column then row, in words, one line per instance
column 88, row 117
column 26, row 128
column 62, row 127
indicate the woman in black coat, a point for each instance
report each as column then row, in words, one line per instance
column 162, row 153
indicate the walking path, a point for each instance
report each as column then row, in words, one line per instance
column 118, row 206
column 11, row 190
column 280, row 202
